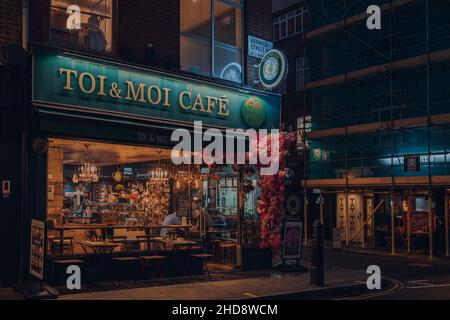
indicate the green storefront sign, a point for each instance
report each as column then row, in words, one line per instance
column 88, row 84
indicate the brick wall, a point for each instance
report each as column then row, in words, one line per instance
column 39, row 20
column 258, row 17
column 293, row 101
column 138, row 24
column 10, row 25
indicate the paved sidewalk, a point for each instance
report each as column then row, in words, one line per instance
column 271, row 284
column 9, row 294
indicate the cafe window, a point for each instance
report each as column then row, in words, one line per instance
column 106, row 199
column 82, row 24
column 212, row 46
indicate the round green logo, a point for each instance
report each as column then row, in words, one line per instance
column 253, row 112
column 272, row 69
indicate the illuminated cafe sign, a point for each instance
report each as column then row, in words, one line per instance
column 65, row 80
column 272, row 69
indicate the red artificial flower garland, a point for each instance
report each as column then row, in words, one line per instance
column 271, row 200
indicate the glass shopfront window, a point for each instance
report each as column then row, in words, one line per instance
column 212, row 47
column 130, row 199
column 83, row 24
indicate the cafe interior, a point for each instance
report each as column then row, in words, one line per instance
column 133, row 207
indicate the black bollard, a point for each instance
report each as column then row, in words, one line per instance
column 317, row 273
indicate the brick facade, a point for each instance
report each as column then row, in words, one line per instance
column 293, row 102
column 10, row 25
column 139, row 25
column 39, row 21
column 258, row 23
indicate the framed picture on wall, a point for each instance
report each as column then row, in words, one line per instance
column 50, row 192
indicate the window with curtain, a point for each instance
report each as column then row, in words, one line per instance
column 211, row 38
column 82, row 24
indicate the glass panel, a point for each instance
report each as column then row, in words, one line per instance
column 283, row 29
column 276, row 31
column 82, row 24
column 299, row 23
column 227, row 24
column 196, row 18
column 227, row 63
column 300, row 76
column 228, row 42
column 290, row 26
column 195, row 55
column 195, row 40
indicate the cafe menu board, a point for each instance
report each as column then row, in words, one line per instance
column 37, row 248
column 292, row 244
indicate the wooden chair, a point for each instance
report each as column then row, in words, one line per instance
column 152, row 261
column 122, row 240
column 203, row 259
column 120, row 264
column 227, row 249
column 55, row 244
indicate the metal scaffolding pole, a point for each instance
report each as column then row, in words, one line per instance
column 347, row 231
column 391, row 97
column 408, row 230
column 364, row 213
column 305, row 154
column 446, row 225
column 393, row 252
column 305, row 216
column 430, row 225
column 321, row 208
column 430, row 213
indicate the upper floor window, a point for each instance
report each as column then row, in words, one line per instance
column 289, row 24
column 83, row 24
column 299, row 73
column 211, row 38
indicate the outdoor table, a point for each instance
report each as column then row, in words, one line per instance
column 63, row 228
column 178, row 245
column 104, row 228
column 99, row 251
column 98, row 247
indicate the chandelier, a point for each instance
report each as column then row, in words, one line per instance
column 87, row 171
column 159, row 173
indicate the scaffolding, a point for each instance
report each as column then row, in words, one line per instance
column 376, row 97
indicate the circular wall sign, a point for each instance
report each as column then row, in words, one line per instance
column 232, row 72
column 253, row 112
column 272, row 69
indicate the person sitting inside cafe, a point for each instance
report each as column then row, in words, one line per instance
column 170, row 220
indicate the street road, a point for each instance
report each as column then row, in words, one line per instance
column 413, row 278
